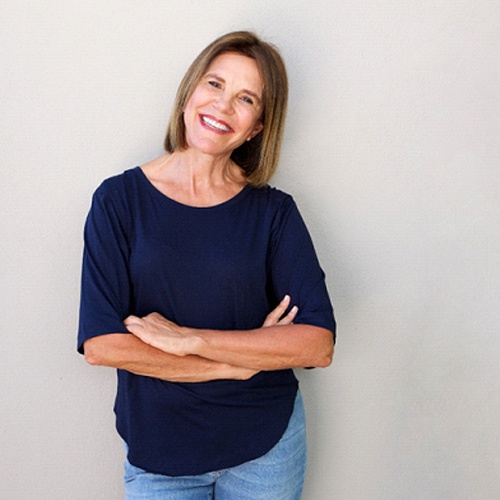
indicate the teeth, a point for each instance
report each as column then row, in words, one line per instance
column 215, row 124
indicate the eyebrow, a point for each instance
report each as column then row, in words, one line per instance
column 220, row 79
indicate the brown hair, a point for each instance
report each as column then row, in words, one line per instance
column 258, row 157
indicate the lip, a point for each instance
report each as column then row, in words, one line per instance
column 207, row 126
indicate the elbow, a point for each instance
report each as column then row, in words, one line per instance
column 326, row 359
column 325, row 353
column 91, row 360
column 107, row 349
column 92, row 353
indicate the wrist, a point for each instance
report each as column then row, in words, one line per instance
column 194, row 341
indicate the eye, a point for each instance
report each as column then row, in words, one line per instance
column 215, row 84
column 247, row 99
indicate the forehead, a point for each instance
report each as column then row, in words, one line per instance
column 237, row 69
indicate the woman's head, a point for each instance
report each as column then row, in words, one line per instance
column 259, row 156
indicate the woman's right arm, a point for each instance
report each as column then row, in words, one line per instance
column 127, row 352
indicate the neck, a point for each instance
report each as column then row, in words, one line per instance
column 190, row 167
column 195, row 179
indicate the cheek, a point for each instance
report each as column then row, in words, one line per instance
column 254, row 123
column 192, row 101
column 188, row 106
column 190, row 109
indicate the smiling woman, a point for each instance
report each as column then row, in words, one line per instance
column 224, row 109
column 202, row 287
column 258, row 158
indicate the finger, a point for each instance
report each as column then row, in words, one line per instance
column 156, row 316
column 274, row 316
column 136, row 329
column 157, row 320
column 288, row 319
column 131, row 320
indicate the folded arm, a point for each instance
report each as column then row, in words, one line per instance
column 273, row 346
column 129, row 352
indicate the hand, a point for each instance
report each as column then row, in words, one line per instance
column 275, row 316
column 159, row 332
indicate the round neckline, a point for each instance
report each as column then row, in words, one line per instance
column 163, row 196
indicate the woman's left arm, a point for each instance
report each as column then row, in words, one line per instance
column 267, row 348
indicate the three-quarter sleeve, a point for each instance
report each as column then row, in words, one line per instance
column 295, row 269
column 105, row 299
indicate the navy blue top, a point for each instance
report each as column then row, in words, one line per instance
column 223, row 267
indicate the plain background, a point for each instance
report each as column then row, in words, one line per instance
column 392, row 152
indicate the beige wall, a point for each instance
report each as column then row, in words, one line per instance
column 392, row 152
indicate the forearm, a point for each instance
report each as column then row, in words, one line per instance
column 128, row 352
column 278, row 344
column 269, row 348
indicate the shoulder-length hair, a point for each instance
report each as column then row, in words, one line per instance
column 259, row 157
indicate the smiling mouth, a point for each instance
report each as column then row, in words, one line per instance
column 215, row 124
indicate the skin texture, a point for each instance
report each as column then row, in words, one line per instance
column 223, row 112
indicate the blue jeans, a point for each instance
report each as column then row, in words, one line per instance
column 278, row 475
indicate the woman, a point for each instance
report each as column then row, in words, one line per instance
column 190, row 267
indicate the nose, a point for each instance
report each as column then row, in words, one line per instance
column 224, row 103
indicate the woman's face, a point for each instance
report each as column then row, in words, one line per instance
column 225, row 108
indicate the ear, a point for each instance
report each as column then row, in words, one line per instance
column 258, row 128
